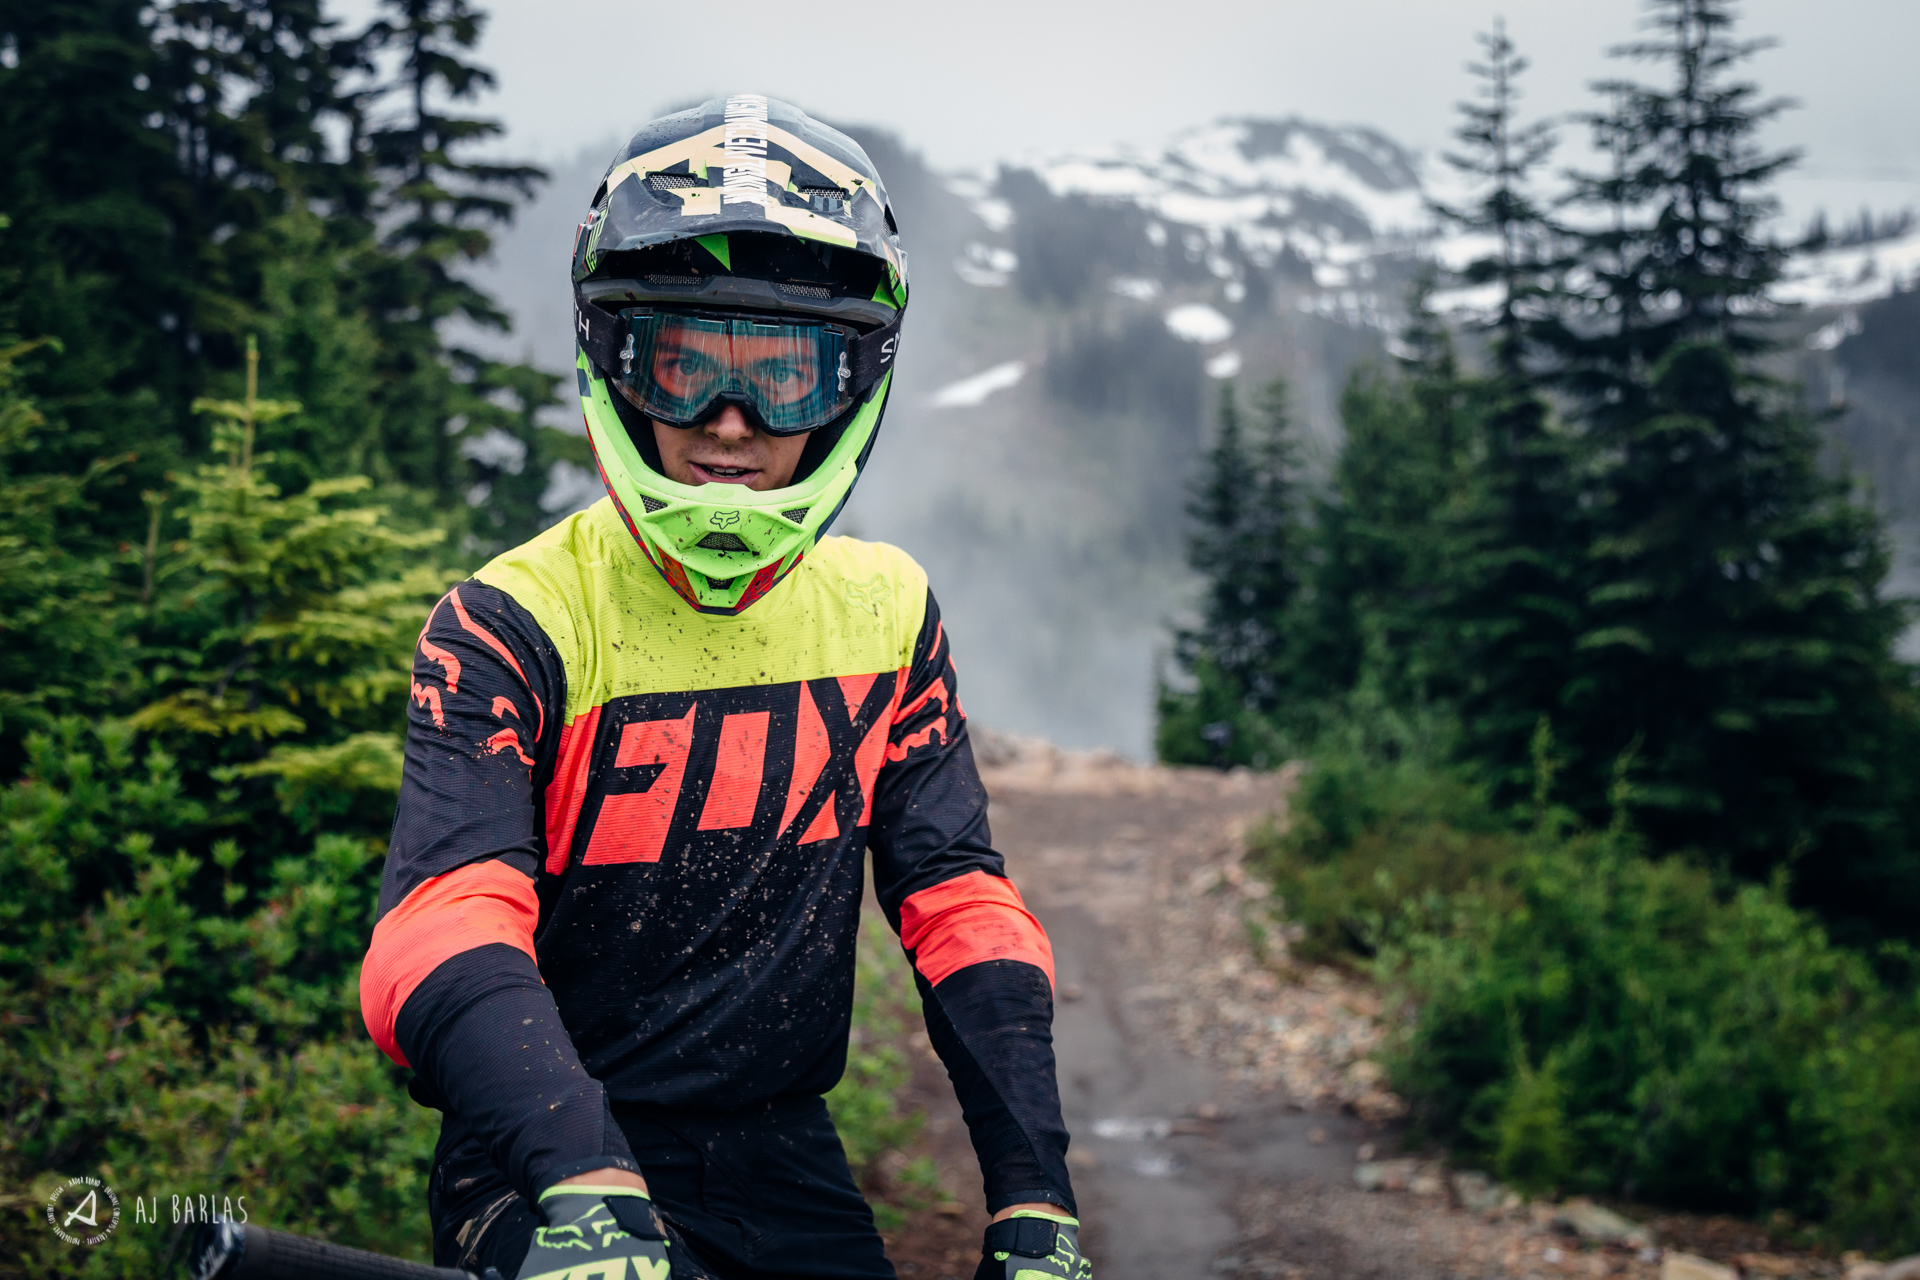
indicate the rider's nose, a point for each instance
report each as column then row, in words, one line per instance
column 729, row 424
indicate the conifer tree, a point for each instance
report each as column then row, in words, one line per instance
column 515, row 453
column 191, row 885
column 1513, row 585
column 1501, row 156
column 438, row 208
column 61, row 650
column 164, row 157
column 1735, row 646
column 272, row 635
column 1381, row 566
column 1247, row 547
column 1247, row 531
column 97, row 206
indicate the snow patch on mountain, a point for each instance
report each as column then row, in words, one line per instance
column 1225, row 365
column 968, row 393
column 1198, row 322
column 1852, row 275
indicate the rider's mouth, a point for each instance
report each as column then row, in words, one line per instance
column 714, row 472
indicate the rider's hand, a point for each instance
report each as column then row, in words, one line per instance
column 589, row 1227
column 1032, row 1245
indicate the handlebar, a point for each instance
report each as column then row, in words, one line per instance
column 230, row 1251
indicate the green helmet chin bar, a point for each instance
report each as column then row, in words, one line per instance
column 722, row 546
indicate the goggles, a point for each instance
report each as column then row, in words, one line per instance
column 791, row 376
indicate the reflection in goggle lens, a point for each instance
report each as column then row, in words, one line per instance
column 794, row 375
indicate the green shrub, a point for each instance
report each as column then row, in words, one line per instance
column 1531, row 1148
column 1709, row 1051
column 172, row 1048
column 1365, row 835
column 1585, row 1018
column 191, row 838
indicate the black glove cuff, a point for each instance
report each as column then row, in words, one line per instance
column 1001, row 1200
column 635, row 1215
column 586, row 1164
column 1027, row 1237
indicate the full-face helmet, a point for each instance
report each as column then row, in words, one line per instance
column 736, row 253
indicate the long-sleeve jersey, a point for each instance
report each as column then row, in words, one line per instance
column 626, row 865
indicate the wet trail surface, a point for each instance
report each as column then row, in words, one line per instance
column 1197, row 1123
column 1163, row 1144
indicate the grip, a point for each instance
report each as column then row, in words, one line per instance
column 229, row 1251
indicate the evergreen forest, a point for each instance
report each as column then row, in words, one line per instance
column 1583, row 636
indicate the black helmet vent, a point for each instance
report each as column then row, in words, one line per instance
column 673, row 181
column 798, row 515
column 805, row 290
column 722, row 542
column 651, row 504
column 682, row 281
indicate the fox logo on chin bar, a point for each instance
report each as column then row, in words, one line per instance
column 724, row 519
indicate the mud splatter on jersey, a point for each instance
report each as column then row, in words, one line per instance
column 628, row 857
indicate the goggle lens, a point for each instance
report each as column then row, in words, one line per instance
column 794, row 375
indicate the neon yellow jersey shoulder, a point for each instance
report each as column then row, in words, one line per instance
column 851, row 608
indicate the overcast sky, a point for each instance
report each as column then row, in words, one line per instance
column 993, row 79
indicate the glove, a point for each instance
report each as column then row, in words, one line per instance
column 596, row 1233
column 1033, row 1246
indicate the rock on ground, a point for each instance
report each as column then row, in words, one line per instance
column 1684, row 1266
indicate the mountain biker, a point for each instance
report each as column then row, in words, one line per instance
column 647, row 749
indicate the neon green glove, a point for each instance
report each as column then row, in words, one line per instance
column 596, row 1233
column 1034, row 1246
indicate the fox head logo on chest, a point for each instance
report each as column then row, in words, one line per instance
column 869, row 595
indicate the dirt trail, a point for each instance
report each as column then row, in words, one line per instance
column 1134, row 872
column 1180, row 1081
column 1219, row 1095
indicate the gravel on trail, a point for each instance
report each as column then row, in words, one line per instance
column 1222, row 1097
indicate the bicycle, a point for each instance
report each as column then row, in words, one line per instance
column 230, row 1251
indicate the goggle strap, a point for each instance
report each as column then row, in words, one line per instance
column 602, row 336
column 599, row 334
column 870, row 355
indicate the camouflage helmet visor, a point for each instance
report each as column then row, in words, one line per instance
column 791, row 375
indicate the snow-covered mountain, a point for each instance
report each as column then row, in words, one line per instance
column 1339, row 199
column 1325, row 191
column 1318, row 204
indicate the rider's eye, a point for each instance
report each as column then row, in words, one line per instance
column 781, row 375
column 683, row 364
